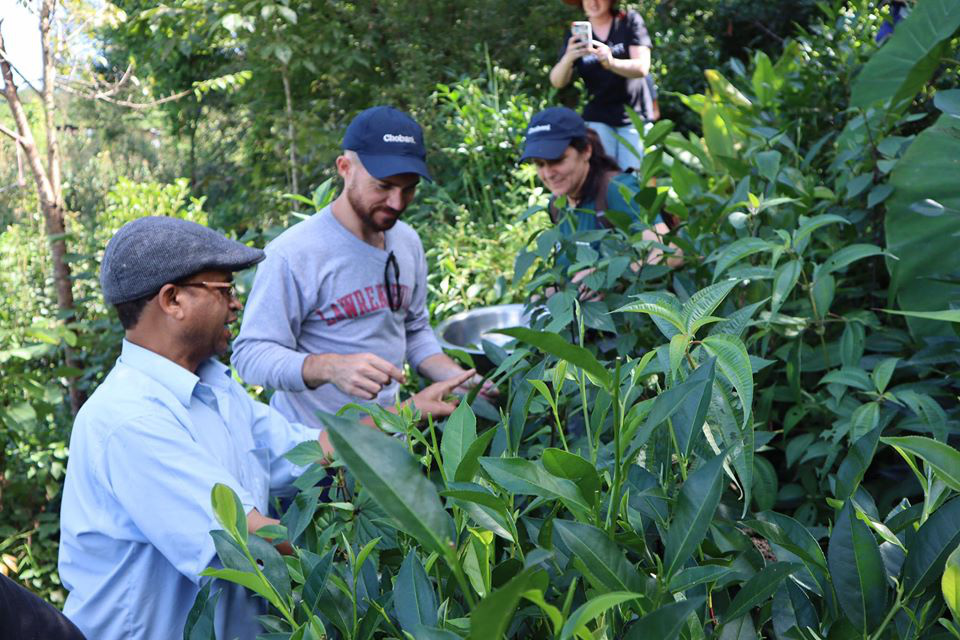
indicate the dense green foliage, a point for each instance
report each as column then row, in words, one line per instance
column 744, row 444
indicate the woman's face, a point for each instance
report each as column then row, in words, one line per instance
column 596, row 8
column 565, row 175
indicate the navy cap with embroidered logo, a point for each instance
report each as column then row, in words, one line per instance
column 550, row 133
column 388, row 141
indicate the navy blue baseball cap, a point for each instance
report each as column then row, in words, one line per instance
column 550, row 133
column 388, row 141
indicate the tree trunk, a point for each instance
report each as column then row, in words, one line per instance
column 51, row 199
column 291, row 132
column 49, row 106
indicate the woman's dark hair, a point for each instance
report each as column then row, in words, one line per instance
column 600, row 163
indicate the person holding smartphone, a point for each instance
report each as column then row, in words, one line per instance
column 613, row 65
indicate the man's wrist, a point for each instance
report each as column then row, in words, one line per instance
column 315, row 370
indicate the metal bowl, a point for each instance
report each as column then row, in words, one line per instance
column 466, row 330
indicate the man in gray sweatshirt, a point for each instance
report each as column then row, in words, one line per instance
column 340, row 301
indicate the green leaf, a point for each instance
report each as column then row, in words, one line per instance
column 792, row 610
column 704, row 302
column 692, row 576
column 864, row 419
column 849, row 376
column 316, row 580
column 559, row 347
column 305, row 453
column 950, row 583
column 793, row 541
column 692, row 395
column 606, row 564
column 737, row 251
column 490, row 619
column 568, row 465
column 665, row 622
column 459, row 432
column 470, row 463
column 414, row 599
column 927, row 551
column 944, row 459
column 734, row 364
column 486, row 509
column 678, row 349
column 759, row 588
column 784, row 280
column 200, row 620
column 882, row 373
column 810, row 225
column 536, row 597
column 857, row 571
column 692, row 513
column 925, row 171
column 247, row 579
column 229, row 511
column 588, row 611
column 657, row 310
column 909, row 58
column 855, row 465
column 395, row 480
column 528, row 478
column 848, row 255
column 953, row 315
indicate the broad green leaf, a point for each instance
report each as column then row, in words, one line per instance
column 316, row 580
column 655, row 309
column 704, row 302
column 678, row 349
column 421, row 632
column 953, row 315
column 693, row 395
column 944, row 459
column 810, row 225
column 665, row 622
column 490, row 619
column 927, row 551
column 395, row 480
column 414, row 599
column 306, row 453
column 470, row 463
column 925, row 171
column 528, row 478
column 796, row 542
column 559, row 347
column 792, row 610
column 950, row 583
column 606, row 563
column 864, row 419
column 734, row 363
column 536, row 597
column 737, row 251
column 588, row 611
column 882, row 373
column 857, row 571
column 200, row 620
column 725, row 89
column 768, row 164
column 855, row 465
column 758, row 589
column 848, row 255
column 459, row 432
column 564, row 464
column 692, row 514
column 692, row 576
column 849, row 376
column 488, row 510
column 229, row 511
column 247, row 579
column 909, row 58
column 784, row 280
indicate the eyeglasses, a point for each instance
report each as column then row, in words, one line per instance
column 394, row 304
column 226, row 289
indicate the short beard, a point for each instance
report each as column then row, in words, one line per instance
column 364, row 214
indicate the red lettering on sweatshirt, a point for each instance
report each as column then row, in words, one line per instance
column 364, row 301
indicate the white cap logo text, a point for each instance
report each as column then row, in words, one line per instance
column 538, row 129
column 395, row 137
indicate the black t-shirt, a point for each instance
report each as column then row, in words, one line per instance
column 607, row 91
column 25, row 616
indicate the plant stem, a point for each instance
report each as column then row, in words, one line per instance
column 617, row 447
column 893, row 610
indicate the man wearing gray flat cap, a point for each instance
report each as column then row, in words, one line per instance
column 165, row 426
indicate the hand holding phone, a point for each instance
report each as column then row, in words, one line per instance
column 582, row 31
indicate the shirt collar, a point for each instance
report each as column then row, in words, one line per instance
column 168, row 373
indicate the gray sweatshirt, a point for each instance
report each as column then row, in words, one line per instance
column 321, row 290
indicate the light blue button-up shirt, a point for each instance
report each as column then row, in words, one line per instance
column 145, row 452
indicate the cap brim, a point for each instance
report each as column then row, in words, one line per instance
column 546, row 148
column 383, row 166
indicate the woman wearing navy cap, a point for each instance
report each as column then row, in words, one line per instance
column 613, row 67
column 571, row 162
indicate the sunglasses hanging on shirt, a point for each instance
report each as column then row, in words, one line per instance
column 394, row 294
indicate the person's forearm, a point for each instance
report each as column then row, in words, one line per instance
column 561, row 73
column 439, row 367
column 632, row 68
column 317, row 369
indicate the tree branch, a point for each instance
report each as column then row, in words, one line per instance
column 6, row 59
column 106, row 96
column 12, row 134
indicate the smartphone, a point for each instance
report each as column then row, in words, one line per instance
column 582, row 31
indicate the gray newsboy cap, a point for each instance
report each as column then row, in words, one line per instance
column 149, row 252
